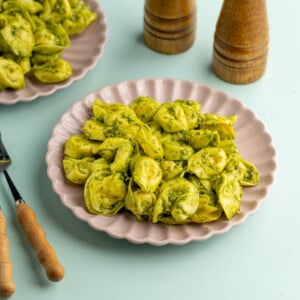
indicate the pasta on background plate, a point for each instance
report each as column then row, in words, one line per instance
column 33, row 36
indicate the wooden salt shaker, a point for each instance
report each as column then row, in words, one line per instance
column 241, row 41
column 169, row 25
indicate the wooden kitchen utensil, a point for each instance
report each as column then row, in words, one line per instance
column 7, row 285
column 34, row 232
column 169, row 25
column 241, row 41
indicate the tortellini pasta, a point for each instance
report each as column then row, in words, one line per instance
column 11, row 75
column 105, row 193
column 178, row 200
column 147, row 174
column 167, row 163
column 33, row 35
column 53, row 71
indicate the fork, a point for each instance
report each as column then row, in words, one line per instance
column 34, row 232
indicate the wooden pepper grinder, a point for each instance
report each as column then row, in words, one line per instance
column 169, row 25
column 241, row 41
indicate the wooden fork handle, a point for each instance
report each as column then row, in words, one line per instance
column 37, row 237
column 7, row 285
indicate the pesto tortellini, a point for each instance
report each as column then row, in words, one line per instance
column 167, row 163
column 33, row 35
column 11, row 75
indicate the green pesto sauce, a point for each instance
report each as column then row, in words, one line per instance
column 194, row 174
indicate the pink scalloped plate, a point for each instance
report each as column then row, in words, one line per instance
column 86, row 49
column 253, row 141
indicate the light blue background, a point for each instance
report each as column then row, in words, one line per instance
column 257, row 260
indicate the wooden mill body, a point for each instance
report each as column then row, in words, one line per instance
column 169, row 25
column 241, row 41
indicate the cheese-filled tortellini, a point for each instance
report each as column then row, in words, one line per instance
column 249, row 173
column 99, row 109
column 229, row 193
column 31, row 6
column 74, row 15
column 244, row 170
column 171, row 117
column 140, row 203
column 11, row 75
column 150, row 143
column 23, row 62
column 147, row 173
column 94, row 130
column 119, row 113
column 120, row 150
column 77, row 170
column 192, row 111
column 50, row 38
column 209, row 208
column 53, row 71
column 164, row 163
column 80, row 17
column 207, row 162
column 172, row 168
column 177, row 202
column 105, row 194
column 38, row 59
column 100, row 164
column 201, row 138
column 223, row 125
column 145, row 108
column 77, row 146
column 174, row 150
column 17, row 34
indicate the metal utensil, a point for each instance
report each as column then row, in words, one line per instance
column 34, row 232
column 7, row 285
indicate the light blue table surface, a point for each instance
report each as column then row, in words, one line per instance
column 256, row 260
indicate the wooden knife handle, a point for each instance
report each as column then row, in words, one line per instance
column 7, row 285
column 37, row 237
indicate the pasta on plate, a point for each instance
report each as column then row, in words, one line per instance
column 165, row 163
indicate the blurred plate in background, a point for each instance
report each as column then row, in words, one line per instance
column 86, row 48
